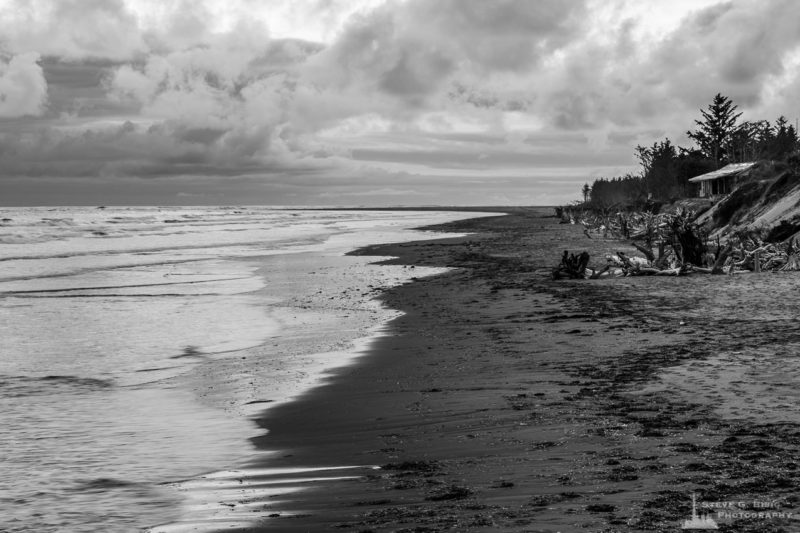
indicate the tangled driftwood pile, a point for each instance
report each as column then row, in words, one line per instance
column 672, row 245
column 750, row 252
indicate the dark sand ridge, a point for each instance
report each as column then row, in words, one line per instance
column 504, row 401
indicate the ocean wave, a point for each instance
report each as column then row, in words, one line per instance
column 102, row 484
column 22, row 386
column 58, row 222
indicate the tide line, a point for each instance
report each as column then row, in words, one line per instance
column 241, row 498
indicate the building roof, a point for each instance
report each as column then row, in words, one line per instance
column 727, row 170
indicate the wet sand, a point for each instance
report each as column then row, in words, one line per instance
column 505, row 401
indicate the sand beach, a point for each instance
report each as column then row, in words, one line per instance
column 505, row 401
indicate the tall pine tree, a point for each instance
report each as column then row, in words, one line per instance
column 714, row 132
column 785, row 139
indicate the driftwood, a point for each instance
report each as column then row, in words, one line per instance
column 576, row 267
column 648, row 252
column 792, row 261
column 727, row 259
column 673, row 244
column 722, row 256
column 637, row 266
column 686, row 239
column 572, row 266
column 750, row 252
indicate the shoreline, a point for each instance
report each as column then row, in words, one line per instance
column 323, row 303
column 503, row 401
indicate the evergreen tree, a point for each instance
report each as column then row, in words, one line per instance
column 785, row 141
column 715, row 130
column 617, row 192
column 749, row 141
column 660, row 170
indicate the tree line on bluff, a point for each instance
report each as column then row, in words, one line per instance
column 719, row 139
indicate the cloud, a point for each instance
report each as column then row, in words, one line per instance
column 71, row 29
column 230, row 99
column 446, row 88
column 412, row 51
column 161, row 149
column 623, row 72
column 733, row 47
column 23, row 89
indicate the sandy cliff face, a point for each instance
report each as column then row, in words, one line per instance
column 767, row 202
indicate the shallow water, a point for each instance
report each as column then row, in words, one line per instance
column 137, row 342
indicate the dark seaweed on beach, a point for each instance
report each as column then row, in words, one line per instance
column 417, row 466
column 601, row 508
column 454, row 492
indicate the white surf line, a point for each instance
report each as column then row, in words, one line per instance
column 239, row 498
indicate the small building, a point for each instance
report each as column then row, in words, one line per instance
column 721, row 181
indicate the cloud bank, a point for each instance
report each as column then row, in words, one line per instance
column 404, row 95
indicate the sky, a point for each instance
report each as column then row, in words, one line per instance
column 367, row 102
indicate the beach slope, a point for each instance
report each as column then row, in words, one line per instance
column 505, row 401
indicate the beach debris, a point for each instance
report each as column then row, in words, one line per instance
column 792, row 261
column 601, row 508
column 748, row 251
column 672, row 244
column 572, row 266
column 415, row 466
column 453, row 492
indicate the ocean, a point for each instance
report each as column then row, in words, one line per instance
column 138, row 344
